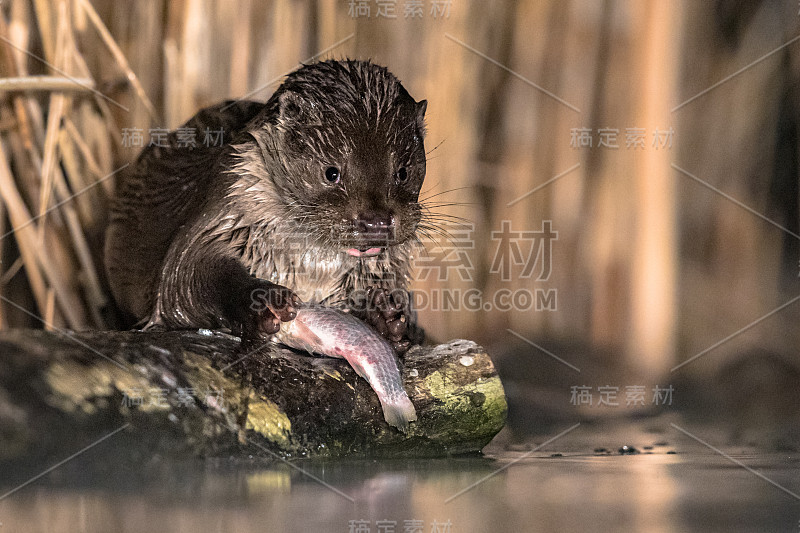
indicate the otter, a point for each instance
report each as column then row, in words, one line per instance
column 312, row 196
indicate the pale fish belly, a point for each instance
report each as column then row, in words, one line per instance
column 331, row 332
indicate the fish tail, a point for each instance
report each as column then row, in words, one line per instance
column 398, row 412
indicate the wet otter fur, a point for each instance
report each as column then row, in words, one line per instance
column 313, row 196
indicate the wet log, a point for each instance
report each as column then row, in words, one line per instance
column 198, row 392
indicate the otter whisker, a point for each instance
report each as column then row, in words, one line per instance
column 435, row 147
column 450, row 219
column 425, row 199
column 436, row 215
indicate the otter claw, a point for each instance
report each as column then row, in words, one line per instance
column 401, row 346
column 271, row 304
column 397, row 327
column 387, row 314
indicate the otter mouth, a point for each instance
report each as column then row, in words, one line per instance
column 364, row 252
column 370, row 244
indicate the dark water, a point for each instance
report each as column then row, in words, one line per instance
column 673, row 483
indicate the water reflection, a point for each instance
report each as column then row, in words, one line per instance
column 654, row 492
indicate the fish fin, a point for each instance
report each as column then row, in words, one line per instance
column 303, row 338
column 399, row 412
column 356, row 365
column 308, row 336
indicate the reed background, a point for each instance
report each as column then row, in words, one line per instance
column 663, row 253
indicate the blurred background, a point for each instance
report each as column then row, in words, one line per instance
column 627, row 173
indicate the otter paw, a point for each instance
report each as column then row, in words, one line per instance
column 387, row 313
column 269, row 305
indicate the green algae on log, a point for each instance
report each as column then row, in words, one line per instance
column 198, row 392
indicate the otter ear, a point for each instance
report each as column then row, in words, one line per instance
column 422, row 106
column 292, row 109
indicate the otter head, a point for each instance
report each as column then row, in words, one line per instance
column 343, row 147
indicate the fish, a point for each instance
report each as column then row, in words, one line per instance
column 334, row 333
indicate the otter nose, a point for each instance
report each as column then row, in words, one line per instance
column 374, row 222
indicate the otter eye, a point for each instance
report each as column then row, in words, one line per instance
column 332, row 175
column 402, row 175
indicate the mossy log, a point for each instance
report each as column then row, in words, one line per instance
column 199, row 392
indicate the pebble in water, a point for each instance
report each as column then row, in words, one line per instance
column 628, row 450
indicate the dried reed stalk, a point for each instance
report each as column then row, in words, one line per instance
column 119, row 57
column 56, row 160
column 46, row 84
